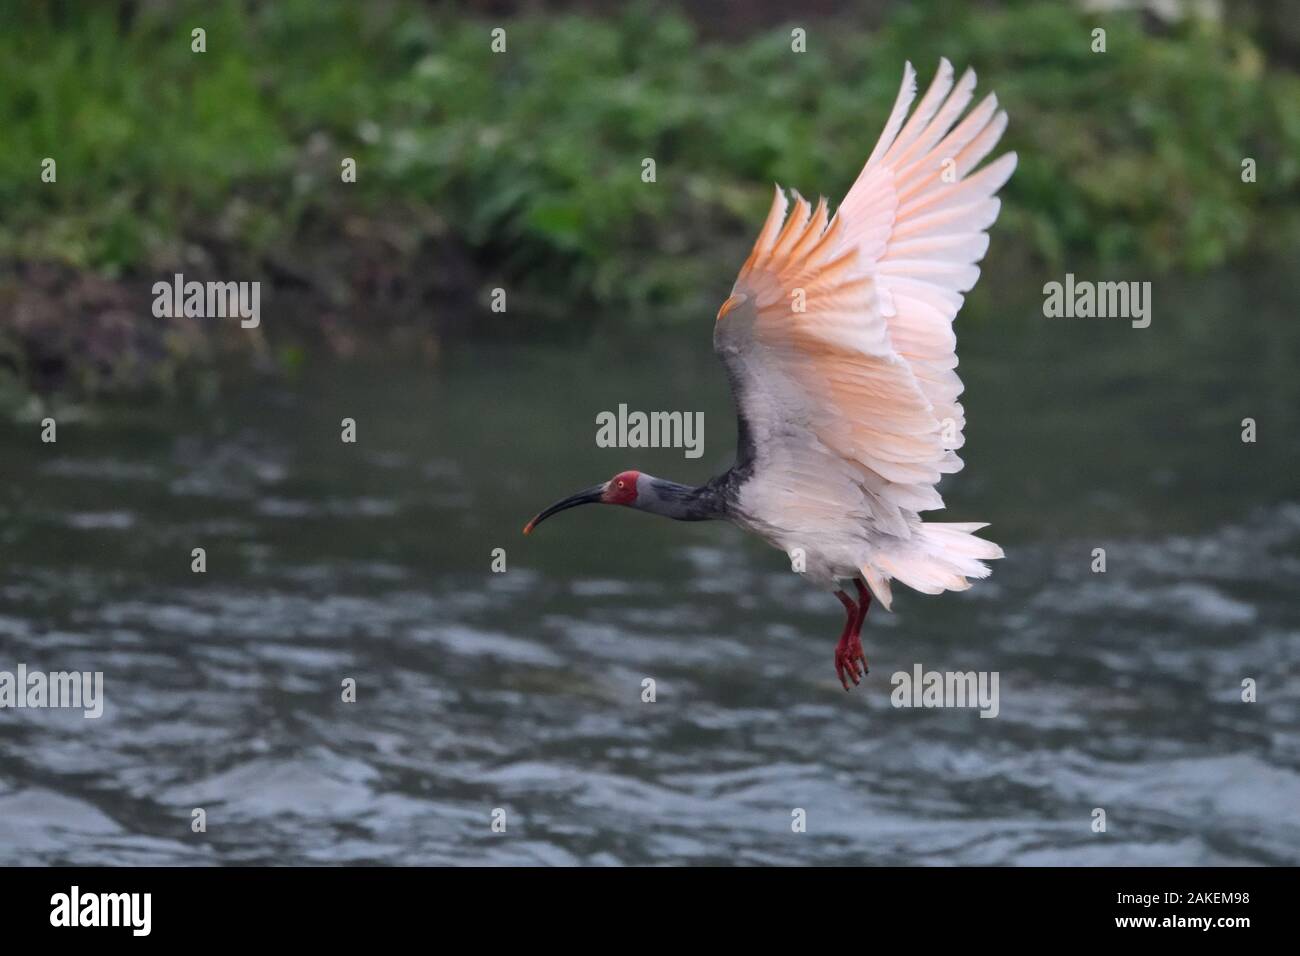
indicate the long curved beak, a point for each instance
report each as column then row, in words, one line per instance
column 588, row 496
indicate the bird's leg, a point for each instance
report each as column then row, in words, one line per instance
column 849, row 650
column 864, row 605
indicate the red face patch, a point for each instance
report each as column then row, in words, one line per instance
column 621, row 489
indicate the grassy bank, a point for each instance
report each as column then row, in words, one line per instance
column 523, row 169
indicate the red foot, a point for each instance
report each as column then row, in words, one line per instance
column 850, row 662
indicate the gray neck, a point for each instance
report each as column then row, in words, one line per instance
column 677, row 501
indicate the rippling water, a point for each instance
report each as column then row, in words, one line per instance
column 522, row 690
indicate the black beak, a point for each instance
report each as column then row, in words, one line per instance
column 589, row 496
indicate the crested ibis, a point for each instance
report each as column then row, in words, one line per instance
column 838, row 345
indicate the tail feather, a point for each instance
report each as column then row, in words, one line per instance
column 946, row 555
column 879, row 585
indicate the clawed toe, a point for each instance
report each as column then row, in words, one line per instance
column 850, row 663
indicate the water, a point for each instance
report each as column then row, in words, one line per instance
column 522, row 690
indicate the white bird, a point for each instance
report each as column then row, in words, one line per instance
column 837, row 339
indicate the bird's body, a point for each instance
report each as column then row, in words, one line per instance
column 837, row 340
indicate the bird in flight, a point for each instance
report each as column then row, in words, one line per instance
column 838, row 344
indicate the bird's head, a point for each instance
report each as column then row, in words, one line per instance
column 619, row 490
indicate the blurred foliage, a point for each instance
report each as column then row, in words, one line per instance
column 530, row 161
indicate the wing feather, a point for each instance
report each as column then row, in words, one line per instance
column 839, row 345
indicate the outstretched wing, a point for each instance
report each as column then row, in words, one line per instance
column 838, row 335
column 918, row 215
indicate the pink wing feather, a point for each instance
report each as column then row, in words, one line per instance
column 839, row 342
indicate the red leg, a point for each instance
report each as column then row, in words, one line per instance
column 864, row 605
column 849, row 650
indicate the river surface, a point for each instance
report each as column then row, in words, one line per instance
column 518, row 696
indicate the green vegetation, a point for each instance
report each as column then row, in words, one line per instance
column 524, row 169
